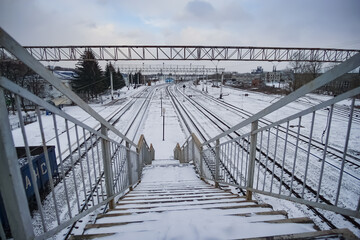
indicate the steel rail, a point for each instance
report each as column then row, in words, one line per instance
column 305, row 139
column 98, row 181
column 298, row 180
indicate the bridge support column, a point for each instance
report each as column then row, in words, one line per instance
column 105, row 146
column 217, row 162
column 251, row 169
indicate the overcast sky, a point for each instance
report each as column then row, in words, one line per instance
column 273, row 23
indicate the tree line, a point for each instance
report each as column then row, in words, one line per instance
column 91, row 80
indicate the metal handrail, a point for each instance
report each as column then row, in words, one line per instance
column 320, row 81
column 18, row 51
column 265, row 160
column 59, row 189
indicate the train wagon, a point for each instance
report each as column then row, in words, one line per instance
column 41, row 172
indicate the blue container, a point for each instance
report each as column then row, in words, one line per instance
column 42, row 175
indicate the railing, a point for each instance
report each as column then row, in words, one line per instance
column 66, row 169
column 301, row 157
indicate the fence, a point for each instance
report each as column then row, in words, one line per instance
column 309, row 156
column 88, row 170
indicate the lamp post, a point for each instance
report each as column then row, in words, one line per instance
column 163, row 114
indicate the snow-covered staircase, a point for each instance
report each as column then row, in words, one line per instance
column 171, row 202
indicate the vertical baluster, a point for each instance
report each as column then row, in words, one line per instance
column 267, row 158
column 345, row 150
column 242, row 162
column 259, row 163
column 325, row 151
column 308, row 154
column 48, row 166
column 217, row 162
column 30, row 162
column 275, row 151
column 237, row 160
column 295, row 156
column 284, row 156
column 88, row 168
column 99, row 166
column 81, row 164
column 252, row 156
column 233, row 157
column 94, row 167
column 106, row 155
column 72, row 164
column 61, row 164
column 129, row 165
column 247, row 160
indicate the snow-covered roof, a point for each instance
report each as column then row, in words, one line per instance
column 65, row 74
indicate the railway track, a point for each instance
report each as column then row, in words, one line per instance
column 84, row 148
column 222, row 126
column 351, row 159
column 186, row 118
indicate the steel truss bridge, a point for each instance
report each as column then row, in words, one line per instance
column 192, row 53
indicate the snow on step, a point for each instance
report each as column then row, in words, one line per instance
column 171, row 202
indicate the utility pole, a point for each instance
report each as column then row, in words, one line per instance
column 163, row 113
column 221, row 87
column 112, row 85
column 161, row 104
column 206, row 83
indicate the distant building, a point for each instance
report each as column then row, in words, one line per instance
column 66, row 77
column 258, row 70
column 273, row 76
column 169, row 80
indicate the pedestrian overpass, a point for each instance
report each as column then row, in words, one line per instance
column 107, row 174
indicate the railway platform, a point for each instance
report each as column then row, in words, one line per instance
column 172, row 202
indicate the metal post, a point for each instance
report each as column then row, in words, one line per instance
column 11, row 185
column 221, row 85
column 217, row 162
column 138, row 163
column 112, row 85
column 193, row 150
column 187, row 151
column 105, row 146
column 128, row 161
column 163, row 110
column 251, row 170
column 201, row 162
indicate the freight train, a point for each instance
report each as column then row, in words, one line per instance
column 42, row 177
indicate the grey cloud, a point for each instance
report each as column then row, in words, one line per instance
column 199, row 8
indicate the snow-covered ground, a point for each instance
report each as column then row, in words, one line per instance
column 174, row 130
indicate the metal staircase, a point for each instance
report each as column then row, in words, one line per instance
column 178, row 205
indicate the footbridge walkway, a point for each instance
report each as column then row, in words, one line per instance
column 85, row 179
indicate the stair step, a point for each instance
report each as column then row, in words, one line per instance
column 167, row 193
column 291, row 220
column 281, row 212
column 325, row 234
column 162, row 208
column 113, row 224
column 135, row 202
column 180, row 196
column 175, row 205
column 90, row 236
column 191, row 207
